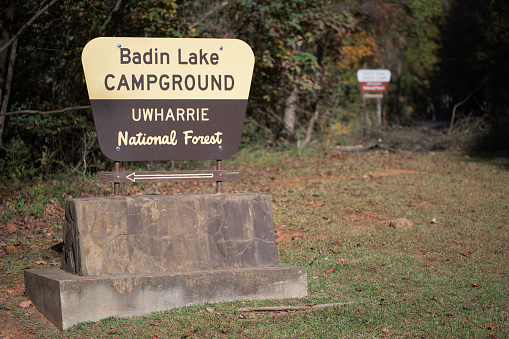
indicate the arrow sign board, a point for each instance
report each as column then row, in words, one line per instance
column 133, row 176
column 374, row 80
column 168, row 99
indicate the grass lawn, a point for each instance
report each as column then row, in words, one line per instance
column 441, row 272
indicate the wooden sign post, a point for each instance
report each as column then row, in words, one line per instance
column 374, row 84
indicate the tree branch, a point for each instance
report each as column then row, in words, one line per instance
column 28, row 23
column 458, row 105
column 63, row 110
column 212, row 11
column 108, row 19
column 290, row 308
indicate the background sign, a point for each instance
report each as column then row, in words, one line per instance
column 168, row 99
column 374, row 80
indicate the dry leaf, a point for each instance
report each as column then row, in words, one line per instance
column 464, row 320
column 112, row 331
column 155, row 337
column 492, row 326
column 40, row 262
column 209, row 309
column 330, row 270
column 476, row 286
column 359, row 289
column 155, row 324
column 386, row 330
column 433, row 220
column 25, row 304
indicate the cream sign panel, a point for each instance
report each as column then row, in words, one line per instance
column 168, row 99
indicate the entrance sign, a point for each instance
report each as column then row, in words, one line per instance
column 168, row 99
column 165, row 99
column 374, row 80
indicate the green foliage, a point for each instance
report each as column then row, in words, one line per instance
column 296, row 45
column 474, row 54
column 17, row 162
column 406, row 33
column 315, row 46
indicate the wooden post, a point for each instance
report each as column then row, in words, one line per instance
column 116, row 185
column 364, row 120
column 383, row 112
column 379, row 112
column 218, row 183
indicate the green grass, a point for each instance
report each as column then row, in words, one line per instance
column 438, row 279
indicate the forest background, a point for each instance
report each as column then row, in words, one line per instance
column 448, row 58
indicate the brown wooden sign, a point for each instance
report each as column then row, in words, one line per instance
column 168, row 99
column 374, row 80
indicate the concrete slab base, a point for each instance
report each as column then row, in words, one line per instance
column 67, row 299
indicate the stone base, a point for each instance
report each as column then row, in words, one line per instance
column 67, row 299
column 168, row 234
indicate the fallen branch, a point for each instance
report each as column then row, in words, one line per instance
column 354, row 148
column 361, row 148
column 291, row 308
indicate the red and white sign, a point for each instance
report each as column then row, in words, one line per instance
column 374, row 80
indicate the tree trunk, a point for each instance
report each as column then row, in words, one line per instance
column 399, row 73
column 311, row 124
column 7, row 91
column 290, row 115
column 5, row 65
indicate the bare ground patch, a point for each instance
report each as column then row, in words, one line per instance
column 365, row 219
column 315, row 179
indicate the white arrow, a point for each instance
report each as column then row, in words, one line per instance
column 137, row 177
